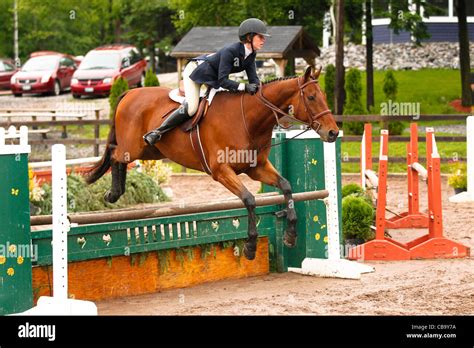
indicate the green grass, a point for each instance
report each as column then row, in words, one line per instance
column 432, row 88
column 449, row 150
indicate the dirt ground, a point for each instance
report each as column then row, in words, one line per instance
column 428, row 287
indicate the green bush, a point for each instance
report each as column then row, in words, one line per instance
column 390, row 89
column 119, row 86
column 350, row 189
column 390, row 85
column 151, row 79
column 140, row 188
column 353, row 103
column 396, row 127
column 329, row 84
column 357, row 217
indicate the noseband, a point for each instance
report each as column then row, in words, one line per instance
column 312, row 118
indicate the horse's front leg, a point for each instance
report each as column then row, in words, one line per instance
column 266, row 173
column 227, row 177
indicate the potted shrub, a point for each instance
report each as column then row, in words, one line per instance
column 357, row 219
column 351, row 189
column 458, row 177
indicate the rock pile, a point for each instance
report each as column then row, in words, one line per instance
column 402, row 56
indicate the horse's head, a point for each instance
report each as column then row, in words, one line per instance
column 310, row 106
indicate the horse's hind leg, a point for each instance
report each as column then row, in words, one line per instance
column 267, row 174
column 119, row 172
column 122, row 176
column 227, row 177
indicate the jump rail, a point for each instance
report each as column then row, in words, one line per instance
column 173, row 210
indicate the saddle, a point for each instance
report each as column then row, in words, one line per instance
column 200, row 113
column 178, row 95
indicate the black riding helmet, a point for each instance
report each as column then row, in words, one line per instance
column 252, row 26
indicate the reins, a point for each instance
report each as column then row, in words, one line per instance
column 278, row 113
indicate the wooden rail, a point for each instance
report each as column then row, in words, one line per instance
column 177, row 209
column 10, row 117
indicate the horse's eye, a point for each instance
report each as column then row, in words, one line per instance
column 311, row 97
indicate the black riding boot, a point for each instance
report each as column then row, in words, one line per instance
column 175, row 119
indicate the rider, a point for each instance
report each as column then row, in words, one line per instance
column 213, row 70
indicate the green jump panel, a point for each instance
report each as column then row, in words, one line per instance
column 15, row 242
column 301, row 162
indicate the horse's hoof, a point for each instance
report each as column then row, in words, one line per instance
column 248, row 253
column 109, row 197
column 289, row 240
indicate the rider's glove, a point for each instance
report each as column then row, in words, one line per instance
column 251, row 88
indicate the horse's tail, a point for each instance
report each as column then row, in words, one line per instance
column 102, row 166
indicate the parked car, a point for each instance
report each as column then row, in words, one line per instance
column 45, row 72
column 7, row 70
column 101, row 66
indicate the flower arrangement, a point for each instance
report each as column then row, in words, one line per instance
column 160, row 172
column 36, row 191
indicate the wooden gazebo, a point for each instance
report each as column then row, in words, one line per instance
column 285, row 44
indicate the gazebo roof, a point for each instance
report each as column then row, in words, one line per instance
column 285, row 42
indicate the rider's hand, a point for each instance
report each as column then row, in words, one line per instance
column 251, row 88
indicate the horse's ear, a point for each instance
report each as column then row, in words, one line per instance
column 316, row 76
column 307, row 73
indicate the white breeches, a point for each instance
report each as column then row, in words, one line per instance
column 191, row 88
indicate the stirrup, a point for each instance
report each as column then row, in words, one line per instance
column 152, row 137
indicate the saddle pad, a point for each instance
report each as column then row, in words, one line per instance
column 176, row 96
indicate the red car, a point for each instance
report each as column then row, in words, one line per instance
column 45, row 72
column 101, row 66
column 7, row 70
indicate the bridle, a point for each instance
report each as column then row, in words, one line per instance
column 312, row 118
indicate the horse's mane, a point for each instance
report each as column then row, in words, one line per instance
column 276, row 79
column 280, row 79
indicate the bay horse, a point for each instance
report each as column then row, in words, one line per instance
column 235, row 121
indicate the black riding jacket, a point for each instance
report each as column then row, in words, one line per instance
column 215, row 69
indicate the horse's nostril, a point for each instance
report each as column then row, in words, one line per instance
column 333, row 134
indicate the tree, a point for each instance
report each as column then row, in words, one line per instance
column 339, row 93
column 151, row 79
column 329, row 85
column 390, row 89
column 190, row 13
column 147, row 23
column 369, row 53
column 307, row 13
column 353, row 13
column 6, row 25
column 119, row 86
column 402, row 18
column 464, row 58
column 67, row 26
column 353, row 103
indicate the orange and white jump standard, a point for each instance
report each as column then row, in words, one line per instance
column 429, row 246
column 412, row 218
